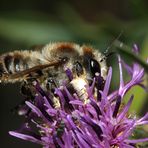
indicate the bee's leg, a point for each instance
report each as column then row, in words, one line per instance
column 51, row 84
column 27, row 90
column 21, row 109
column 78, row 68
column 28, row 93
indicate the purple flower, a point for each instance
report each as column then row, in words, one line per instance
column 100, row 122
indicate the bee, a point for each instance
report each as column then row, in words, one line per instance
column 48, row 64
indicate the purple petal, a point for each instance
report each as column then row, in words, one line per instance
column 91, row 88
column 137, row 140
column 121, row 75
column 97, row 109
column 125, row 110
column 117, row 106
column 99, row 85
column 34, row 109
column 127, row 67
column 67, row 138
column 106, row 88
column 25, row 137
column 107, row 84
column 70, row 97
column 94, row 126
column 77, row 102
column 37, row 111
column 143, row 120
column 69, row 74
column 82, row 142
column 136, row 49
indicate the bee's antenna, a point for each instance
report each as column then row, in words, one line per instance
column 112, row 43
column 108, row 53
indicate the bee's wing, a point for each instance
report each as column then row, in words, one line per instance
column 33, row 69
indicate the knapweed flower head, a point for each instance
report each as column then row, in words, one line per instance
column 100, row 122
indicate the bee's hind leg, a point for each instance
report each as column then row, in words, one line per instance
column 21, row 109
column 28, row 91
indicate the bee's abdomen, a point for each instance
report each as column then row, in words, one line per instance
column 2, row 71
column 11, row 64
column 8, row 64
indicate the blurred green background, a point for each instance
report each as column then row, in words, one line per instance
column 24, row 23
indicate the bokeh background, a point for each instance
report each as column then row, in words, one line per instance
column 24, row 23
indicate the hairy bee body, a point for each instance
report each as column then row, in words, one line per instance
column 50, row 62
column 15, row 62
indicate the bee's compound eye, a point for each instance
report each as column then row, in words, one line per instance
column 79, row 68
column 94, row 67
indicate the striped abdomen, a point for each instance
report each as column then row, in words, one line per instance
column 11, row 63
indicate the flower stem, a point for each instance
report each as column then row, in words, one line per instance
column 124, row 49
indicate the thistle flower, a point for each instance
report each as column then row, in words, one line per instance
column 101, row 122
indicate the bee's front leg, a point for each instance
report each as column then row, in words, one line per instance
column 51, row 84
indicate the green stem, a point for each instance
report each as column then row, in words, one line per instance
column 124, row 49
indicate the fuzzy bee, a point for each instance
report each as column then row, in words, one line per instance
column 48, row 64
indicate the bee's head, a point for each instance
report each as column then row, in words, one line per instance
column 90, row 64
column 84, row 61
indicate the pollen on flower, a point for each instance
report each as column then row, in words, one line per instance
column 56, row 102
column 91, row 116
